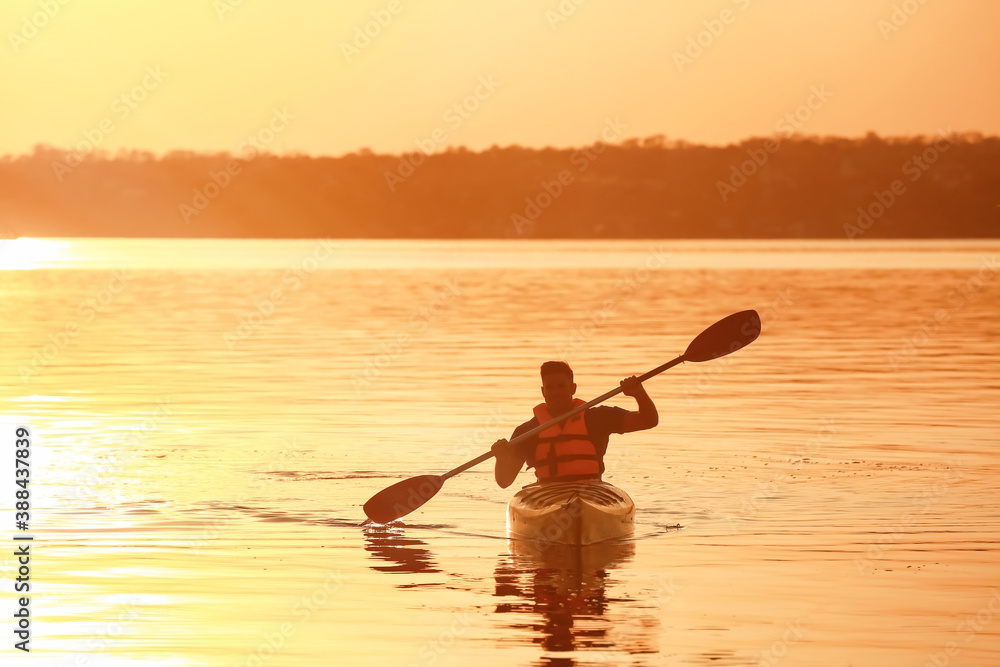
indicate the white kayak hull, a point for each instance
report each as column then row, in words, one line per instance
column 573, row 513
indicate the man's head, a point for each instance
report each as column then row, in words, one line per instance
column 558, row 386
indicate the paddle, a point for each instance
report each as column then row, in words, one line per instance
column 724, row 337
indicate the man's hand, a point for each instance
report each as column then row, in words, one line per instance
column 632, row 387
column 646, row 417
column 500, row 447
column 508, row 463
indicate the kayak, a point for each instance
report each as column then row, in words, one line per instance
column 574, row 513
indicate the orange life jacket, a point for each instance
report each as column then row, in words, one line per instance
column 565, row 452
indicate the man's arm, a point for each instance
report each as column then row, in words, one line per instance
column 508, row 463
column 646, row 417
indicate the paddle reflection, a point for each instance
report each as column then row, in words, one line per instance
column 388, row 542
column 566, row 587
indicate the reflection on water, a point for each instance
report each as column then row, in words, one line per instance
column 558, row 595
column 388, row 542
column 567, row 587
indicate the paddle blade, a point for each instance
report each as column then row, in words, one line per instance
column 402, row 498
column 725, row 336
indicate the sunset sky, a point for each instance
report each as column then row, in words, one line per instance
column 205, row 74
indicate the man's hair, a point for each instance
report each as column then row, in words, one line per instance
column 550, row 367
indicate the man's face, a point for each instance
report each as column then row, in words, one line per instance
column 558, row 390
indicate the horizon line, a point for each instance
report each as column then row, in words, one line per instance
column 655, row 141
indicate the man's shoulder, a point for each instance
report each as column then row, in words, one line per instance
column 605, row 409
column 606, row 412
column 526, row 426
column 606, row 418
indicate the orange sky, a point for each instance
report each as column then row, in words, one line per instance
column 206, row 74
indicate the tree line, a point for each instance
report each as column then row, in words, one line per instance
column 797, row 187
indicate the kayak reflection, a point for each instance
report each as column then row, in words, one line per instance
column 566, row 586
column 387, row 542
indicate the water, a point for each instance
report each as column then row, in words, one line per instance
column 209, row 416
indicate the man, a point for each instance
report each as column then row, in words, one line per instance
column 573, row 450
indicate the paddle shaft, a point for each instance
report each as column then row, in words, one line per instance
column 563, row 417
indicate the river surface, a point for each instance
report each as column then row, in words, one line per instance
column 208, row 416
